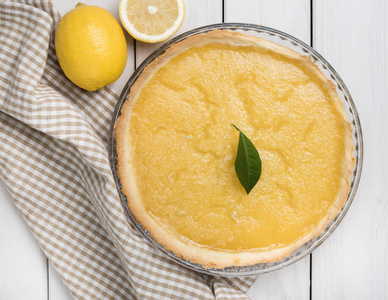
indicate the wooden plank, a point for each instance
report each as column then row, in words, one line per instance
column 57, row 289
column 22, row 263
column 353, row 262
column 292, row 282
column 292, row 17
column 198, row 13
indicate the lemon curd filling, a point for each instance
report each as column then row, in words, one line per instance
column 183, row 147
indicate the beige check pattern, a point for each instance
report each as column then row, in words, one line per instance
column 53, row 159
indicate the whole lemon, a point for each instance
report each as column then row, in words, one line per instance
column 91, row 47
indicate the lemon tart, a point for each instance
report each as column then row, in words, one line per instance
column 176, row 149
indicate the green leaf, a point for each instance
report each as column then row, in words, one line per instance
column 247, row 163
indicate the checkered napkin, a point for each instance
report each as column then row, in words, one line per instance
column 53, row 159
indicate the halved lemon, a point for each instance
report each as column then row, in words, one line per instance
column 152, row 21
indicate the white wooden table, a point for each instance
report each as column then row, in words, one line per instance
column 353, row 263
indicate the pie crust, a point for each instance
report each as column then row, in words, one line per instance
column 206, row 256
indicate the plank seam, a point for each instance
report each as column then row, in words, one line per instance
column 312, row 45
column 311, row 23
column 48, row 278
column 134, row 54
column 223, row 11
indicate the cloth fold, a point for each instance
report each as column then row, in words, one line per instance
column 54, row 162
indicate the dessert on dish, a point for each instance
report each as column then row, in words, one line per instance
column 176, row 149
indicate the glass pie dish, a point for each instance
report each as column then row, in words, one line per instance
column 349, row 108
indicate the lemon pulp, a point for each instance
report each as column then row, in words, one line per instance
column 161, row 15
column 151, row 21
column 183, row 147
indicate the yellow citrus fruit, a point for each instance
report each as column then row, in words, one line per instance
column 152, row 21
column 91, row 47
